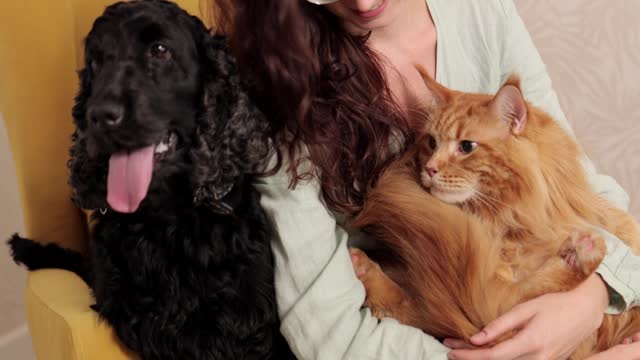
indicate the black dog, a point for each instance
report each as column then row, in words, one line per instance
column 165, row 145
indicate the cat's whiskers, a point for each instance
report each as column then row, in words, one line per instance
column 421, row 112
column 481, row 202
column 424, row 113
column 492, row 199
column 490, row 202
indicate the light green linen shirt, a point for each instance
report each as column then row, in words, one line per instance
column 480, row 42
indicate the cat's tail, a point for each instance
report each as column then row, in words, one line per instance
column 36, row 256
column 449, row 258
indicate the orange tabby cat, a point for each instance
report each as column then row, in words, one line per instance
column 507, row 215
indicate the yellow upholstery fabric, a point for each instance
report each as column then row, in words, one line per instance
column 61, row 323
column 40, row 52
column 37, row 68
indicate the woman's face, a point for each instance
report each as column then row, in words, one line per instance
column 366, row 15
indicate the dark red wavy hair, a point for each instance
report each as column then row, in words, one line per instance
column 319, row 86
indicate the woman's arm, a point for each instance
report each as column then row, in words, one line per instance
column 319, row 297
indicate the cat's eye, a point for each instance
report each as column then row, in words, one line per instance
column 432, row 143
column 467, row 146
column 159, row 51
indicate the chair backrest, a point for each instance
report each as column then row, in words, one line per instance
column 40, row 53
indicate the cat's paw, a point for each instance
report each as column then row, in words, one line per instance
column 383, row 296
column 583, row 251
column 361, row 263
column 505, row 273
column 381, row 312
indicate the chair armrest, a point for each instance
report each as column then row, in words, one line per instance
column 62, row 325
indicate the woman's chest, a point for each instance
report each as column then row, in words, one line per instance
column 405, row 81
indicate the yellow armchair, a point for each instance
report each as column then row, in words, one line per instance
column 40, row 52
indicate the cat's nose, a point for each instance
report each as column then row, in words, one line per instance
column 431, row 171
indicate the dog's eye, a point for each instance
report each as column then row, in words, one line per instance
column 159, row 51
column 94, row 66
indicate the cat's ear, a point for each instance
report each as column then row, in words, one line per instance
column 441, row 94
column 509, row 105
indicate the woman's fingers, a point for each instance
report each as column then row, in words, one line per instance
column 457, row 344
column 631, row 339
column 510, row 349
column 512, row 320
column 626, row 351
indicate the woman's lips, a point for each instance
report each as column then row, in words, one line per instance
column 373, row 12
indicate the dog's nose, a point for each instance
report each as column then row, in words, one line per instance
column 107, row 114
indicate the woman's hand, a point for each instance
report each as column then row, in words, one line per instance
column 626, row 351
column 550, row 326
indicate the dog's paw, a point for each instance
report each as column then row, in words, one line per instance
column 583, row 251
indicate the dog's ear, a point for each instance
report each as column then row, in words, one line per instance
column 87, row 174
column 232, row 138
column 79, row 109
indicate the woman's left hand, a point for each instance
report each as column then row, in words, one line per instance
column 549, row 327
column 627, row 351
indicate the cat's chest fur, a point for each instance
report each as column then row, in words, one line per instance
column 523, row 249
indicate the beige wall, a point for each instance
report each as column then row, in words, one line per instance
column 592, row 49
column 14, row 340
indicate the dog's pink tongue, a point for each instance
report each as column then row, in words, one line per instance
column 129, row 179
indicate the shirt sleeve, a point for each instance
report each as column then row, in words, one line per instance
column 620, row 267
column 319, row 297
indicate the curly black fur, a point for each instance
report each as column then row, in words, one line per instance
column 189, row 275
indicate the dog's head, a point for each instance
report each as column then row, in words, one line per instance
column 159, row 97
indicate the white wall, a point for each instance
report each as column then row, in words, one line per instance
column 14, row 339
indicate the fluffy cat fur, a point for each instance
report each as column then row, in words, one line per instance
column 489, row 209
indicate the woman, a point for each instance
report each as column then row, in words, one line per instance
column 336, row 78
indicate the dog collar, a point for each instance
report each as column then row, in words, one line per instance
column 213, row 198
column 219, row 206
